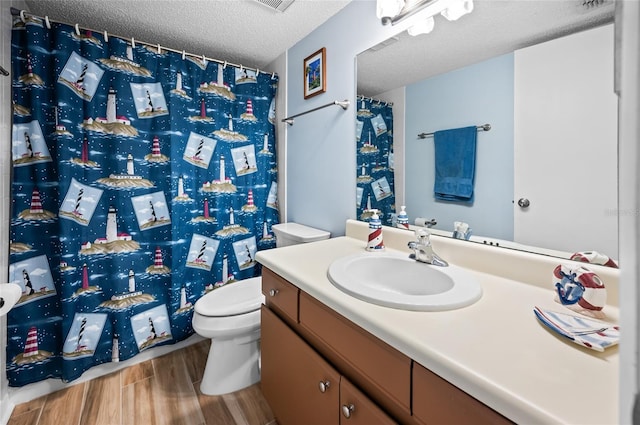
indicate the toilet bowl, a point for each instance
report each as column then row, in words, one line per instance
column 230, row 316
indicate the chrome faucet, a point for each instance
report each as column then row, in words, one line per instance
column 423, row 250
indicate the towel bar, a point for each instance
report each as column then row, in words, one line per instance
column 485, row 127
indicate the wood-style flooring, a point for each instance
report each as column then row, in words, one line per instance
column 160, row 391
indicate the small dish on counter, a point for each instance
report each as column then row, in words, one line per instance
column 584, row 331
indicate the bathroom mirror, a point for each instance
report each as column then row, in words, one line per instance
column 492, row 30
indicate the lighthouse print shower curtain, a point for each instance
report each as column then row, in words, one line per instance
column 142, row 180
column 374, row 139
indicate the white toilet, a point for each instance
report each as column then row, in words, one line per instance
column 230, row 316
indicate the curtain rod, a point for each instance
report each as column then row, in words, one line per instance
column 485, row 127
column 22, row 14
column 371, row 99
column 343, row 104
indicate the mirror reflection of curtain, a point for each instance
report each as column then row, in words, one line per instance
column 142, row 180
column 374, row 141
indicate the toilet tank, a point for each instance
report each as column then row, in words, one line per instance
column 294, row 233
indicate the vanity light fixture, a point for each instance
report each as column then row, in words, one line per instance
column 387, row 9
column 395, row 11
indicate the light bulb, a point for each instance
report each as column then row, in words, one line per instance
column 388, row 8
column 458, row 9
column 424, row 26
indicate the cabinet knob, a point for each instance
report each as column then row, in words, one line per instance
column 273, row 292
column 347, row 410
column 324, row 386
column 523, row 203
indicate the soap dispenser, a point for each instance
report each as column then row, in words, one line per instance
column 403, row 219
column 375, row 242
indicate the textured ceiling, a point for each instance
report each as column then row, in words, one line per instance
column 251, row 34
column 243, row 32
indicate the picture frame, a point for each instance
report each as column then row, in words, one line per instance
column 315, row 73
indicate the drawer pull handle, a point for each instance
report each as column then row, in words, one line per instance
column 324, row 386
column 347, row 410
column 273, row 292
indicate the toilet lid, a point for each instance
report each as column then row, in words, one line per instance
column 232, row 299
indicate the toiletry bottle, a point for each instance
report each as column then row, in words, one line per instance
column 375, row 233
column 403, row 219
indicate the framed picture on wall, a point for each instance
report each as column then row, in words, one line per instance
column 315, row 75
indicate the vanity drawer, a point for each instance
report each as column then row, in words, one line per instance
column 280, row 295
column 380, row 370
column 436, row 401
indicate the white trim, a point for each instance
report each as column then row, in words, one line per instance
column 628, row 48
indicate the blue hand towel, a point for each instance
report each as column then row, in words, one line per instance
column 455, row 157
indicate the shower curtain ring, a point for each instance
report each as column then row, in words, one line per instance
column 257, row 72
column 22, row 17
column 47, row 23
column 77, row 30
column 204, row 60
column 184, row 55
column 159, row 49
column 106, row 36
column 224, row 66
column 133, row 43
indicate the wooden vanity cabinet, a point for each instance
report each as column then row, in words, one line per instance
column 357, row 409
column 436, row 401
column 280, row 296
column 299, row 385
column 375, row 367
column 316, row 364
column 302, row 388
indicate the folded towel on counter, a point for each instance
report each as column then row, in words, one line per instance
column 583, row 331
column 455, row 158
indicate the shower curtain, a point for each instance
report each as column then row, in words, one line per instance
column 142, row 180
column 374, row 140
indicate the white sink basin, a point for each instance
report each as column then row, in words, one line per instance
column 394, row 280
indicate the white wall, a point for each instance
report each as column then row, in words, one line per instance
column 279, row 66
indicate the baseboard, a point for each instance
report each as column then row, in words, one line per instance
column 6, row 409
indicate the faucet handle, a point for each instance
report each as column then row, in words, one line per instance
column 422, row 233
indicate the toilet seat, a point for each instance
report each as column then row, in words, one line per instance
column 232, row 299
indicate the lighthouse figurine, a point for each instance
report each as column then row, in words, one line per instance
column 375, row 242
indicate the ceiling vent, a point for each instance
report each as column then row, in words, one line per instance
column 279, row 5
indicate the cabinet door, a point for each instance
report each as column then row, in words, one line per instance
column 379, row 369
column 436, row 401
column 299, row 385
column 357, row 409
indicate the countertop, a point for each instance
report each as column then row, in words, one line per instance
column 495, row 350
